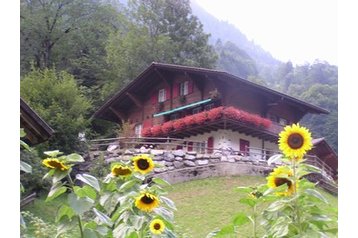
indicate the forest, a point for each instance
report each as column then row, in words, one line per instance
column 76, row 53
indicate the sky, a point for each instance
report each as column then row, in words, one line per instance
column 296, row 30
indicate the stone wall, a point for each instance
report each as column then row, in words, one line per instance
column 179, row 166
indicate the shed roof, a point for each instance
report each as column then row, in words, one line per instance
column 37, row 130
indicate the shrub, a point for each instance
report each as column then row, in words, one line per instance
column 179, row 124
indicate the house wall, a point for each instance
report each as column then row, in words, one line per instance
column 224, row 139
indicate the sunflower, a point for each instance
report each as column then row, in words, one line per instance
column 143, row 164
column 295, row 141
column 146, row 202
column 157, row 226
column 280, row 176
column 55, row 164
column 121, row 170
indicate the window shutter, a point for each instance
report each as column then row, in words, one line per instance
column 190, row 87
column 154, row 97
column 176, row 90
column 167, row 93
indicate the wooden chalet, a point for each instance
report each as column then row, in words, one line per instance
column 37, row 130
column 212, row 107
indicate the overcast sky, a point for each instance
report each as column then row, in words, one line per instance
column 296, row 30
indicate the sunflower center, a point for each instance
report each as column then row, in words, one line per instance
column 157, row 226
column 55, row 164
column 143, row 164
column 295, row 141
column 147, row 200
column 280, row 181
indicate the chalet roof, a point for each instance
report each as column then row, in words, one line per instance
column 37, row 130
column 157, row 67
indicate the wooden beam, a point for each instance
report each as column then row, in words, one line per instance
column 161, row 76
column 135, row 99
column 119, row 115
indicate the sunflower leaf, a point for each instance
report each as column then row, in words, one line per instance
column 58, row 175
column 56, row 190
column 274, row 159
column 90, row 180
column 53, row 153
column 168, row 202
column 240, row 219
column 64, row 211
column 80, row 205
column 161, row 181
column 103, row 217
column 25, row 167
column 74, row 158
column 315, row 193
column 127, row 185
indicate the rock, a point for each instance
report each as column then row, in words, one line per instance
column 214, row 160
column 189, row 163
column 178, row 164
column 158, row 157
column 178, row 158
column 110, row 148
column 168, row 157
column 128, row 152
column 156, row 152
column 144, row 150
column 202, row 162
column 160, row 170
column 191, row 152
column 170, row 168
column 212, row 156
column 190, row 157
column 168, row 164
column 180, row 153
column 223, row 159
column 231, row 160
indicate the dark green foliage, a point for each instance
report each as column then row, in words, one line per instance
column 33, row 182
column 234, row 60
column 56, row 97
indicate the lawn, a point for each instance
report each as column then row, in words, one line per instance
column 202, row 205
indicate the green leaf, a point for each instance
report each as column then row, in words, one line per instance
column 53, row 153
column 25, row 146
column 243, row 189
column 90, row 180
column 25, row 167
column 316, row 194
column 48, row 174
column 125, row 186
column 74, row 158
column 248, row 201
column 65, row 211
column 274, row 159
column 280, row 230
column 89, row 233
column 320, row 217
column 138, row 221
column 275, row 206
column 56, row 190
column 58, row 175
column 240, row 219
column 80, row 205
column 161, row 211
column 161, row 181
column 103, row 217
column 168, row 202
column 85, row 191
column 22, row 132
column 227, row 230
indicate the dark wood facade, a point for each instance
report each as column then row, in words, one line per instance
column 37, row 130
column 139, row 102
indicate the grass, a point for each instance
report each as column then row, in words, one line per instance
column 202, row 205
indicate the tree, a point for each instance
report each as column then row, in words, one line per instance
column 174, row 18
column 56, row 97
column 235, row 60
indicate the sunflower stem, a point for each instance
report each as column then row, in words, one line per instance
column 297, row 217
column 80, row 225
column 254, row 222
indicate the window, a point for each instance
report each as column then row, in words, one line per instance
column 161, row 95
column 138, row 130
column 184, row 88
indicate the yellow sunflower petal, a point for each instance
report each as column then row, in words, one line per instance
column 143, row 164
column 146, row 202
column 157, row 226
column 294, row 141
column 55, row 164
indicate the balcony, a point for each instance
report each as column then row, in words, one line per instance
column 227, row 118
